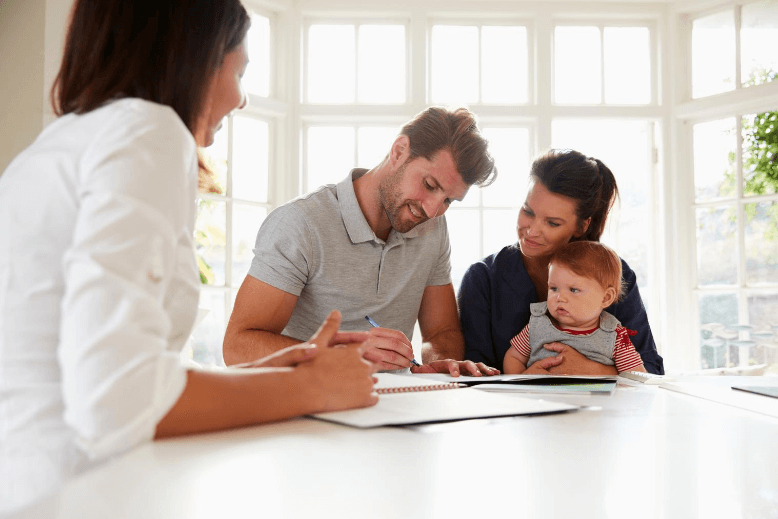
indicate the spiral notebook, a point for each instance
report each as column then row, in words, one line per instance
column 411, row 399
column 389, row 383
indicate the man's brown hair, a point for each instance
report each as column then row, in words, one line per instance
column 437, row 129
column 593, row 260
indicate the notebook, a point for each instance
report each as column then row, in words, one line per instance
column 557, row 384
column 411, row 399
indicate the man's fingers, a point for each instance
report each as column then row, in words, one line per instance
column 487, row 370
column 468, row 367
column 327, row 330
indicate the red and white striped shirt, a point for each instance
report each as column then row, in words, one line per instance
column 624, row 354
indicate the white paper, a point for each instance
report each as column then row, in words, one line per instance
column 438, row 406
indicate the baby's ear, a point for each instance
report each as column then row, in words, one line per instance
column 609, row 298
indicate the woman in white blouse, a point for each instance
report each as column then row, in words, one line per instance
column 98, row 281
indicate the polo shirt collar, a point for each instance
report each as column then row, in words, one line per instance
column 355, row 222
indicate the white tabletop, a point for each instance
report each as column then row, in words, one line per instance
column 640, row 452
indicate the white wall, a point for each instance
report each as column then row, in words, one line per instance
column 32, row 33
column 22, row 37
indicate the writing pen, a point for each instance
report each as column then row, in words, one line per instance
column 376, row 325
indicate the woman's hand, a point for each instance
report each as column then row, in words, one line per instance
column 455, row 367
column 574, row 363
column 337, row 378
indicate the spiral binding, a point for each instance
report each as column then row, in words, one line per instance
column 413, row 389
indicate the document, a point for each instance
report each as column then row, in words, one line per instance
column 557, row 384
column 423, row 406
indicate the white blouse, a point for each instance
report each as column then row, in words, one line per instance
column 98, row 290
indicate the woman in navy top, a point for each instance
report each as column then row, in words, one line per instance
column 569, row 198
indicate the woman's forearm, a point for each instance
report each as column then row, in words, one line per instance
column 214, row 400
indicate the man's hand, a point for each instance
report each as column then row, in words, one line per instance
column 455, row 367
column 387, row 348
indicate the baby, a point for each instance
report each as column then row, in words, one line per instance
column 584, row 278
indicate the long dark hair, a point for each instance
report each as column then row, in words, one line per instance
column 585, row 179
column 165, row 51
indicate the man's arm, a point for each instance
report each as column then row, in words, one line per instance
column 261, row 312
column 443, row 345
column 439, row 324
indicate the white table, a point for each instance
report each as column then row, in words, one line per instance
column 640, row 452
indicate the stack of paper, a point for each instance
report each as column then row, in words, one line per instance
column 437, row 406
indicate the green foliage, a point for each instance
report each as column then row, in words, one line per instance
column 760, row 162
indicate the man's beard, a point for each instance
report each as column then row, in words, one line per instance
column 390, row 195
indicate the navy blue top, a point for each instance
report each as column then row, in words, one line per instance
column 494, row 300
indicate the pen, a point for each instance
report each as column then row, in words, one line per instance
column 376, row 325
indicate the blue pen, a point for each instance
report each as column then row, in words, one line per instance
column 375, row 324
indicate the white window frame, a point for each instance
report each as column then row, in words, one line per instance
column 688, row 112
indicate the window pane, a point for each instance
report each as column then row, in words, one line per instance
column 373, row 144
column 250, row 159
column 454, row 64
column 713, row 54
column 577, row 72
column 208, row 336
column 499, row 229
column 381, row 64
column 331, row 80
column 215, row 158
column 763, row 317
column 623, row 146
column 246, row 220
column 510, row 149
column 716, row 246
column 759, row 43
column 210, row 241
column 464, row 227
column 762, row 243
column 330, row 155
column 718, row 312
column 714, row 160
column 256, row 80
column 504, row 68
column 760, row 153
column 627, row 65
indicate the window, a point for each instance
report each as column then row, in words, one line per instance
column 736, row 212
column 237, row 201
column 715, row 39
column 595, row 64
column 370, row 64
column 734, row 200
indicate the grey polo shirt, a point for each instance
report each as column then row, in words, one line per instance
column 320, row 248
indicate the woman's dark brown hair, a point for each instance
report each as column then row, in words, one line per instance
column 585, row 179
column 165, row 51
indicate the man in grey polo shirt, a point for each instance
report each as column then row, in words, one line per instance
column 375, row 244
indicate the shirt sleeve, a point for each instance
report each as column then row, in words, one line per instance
column 521, row 342
column 624, row 355
column 632, row 314
column 283, row 254
column 441, row 274
column 119, row 377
